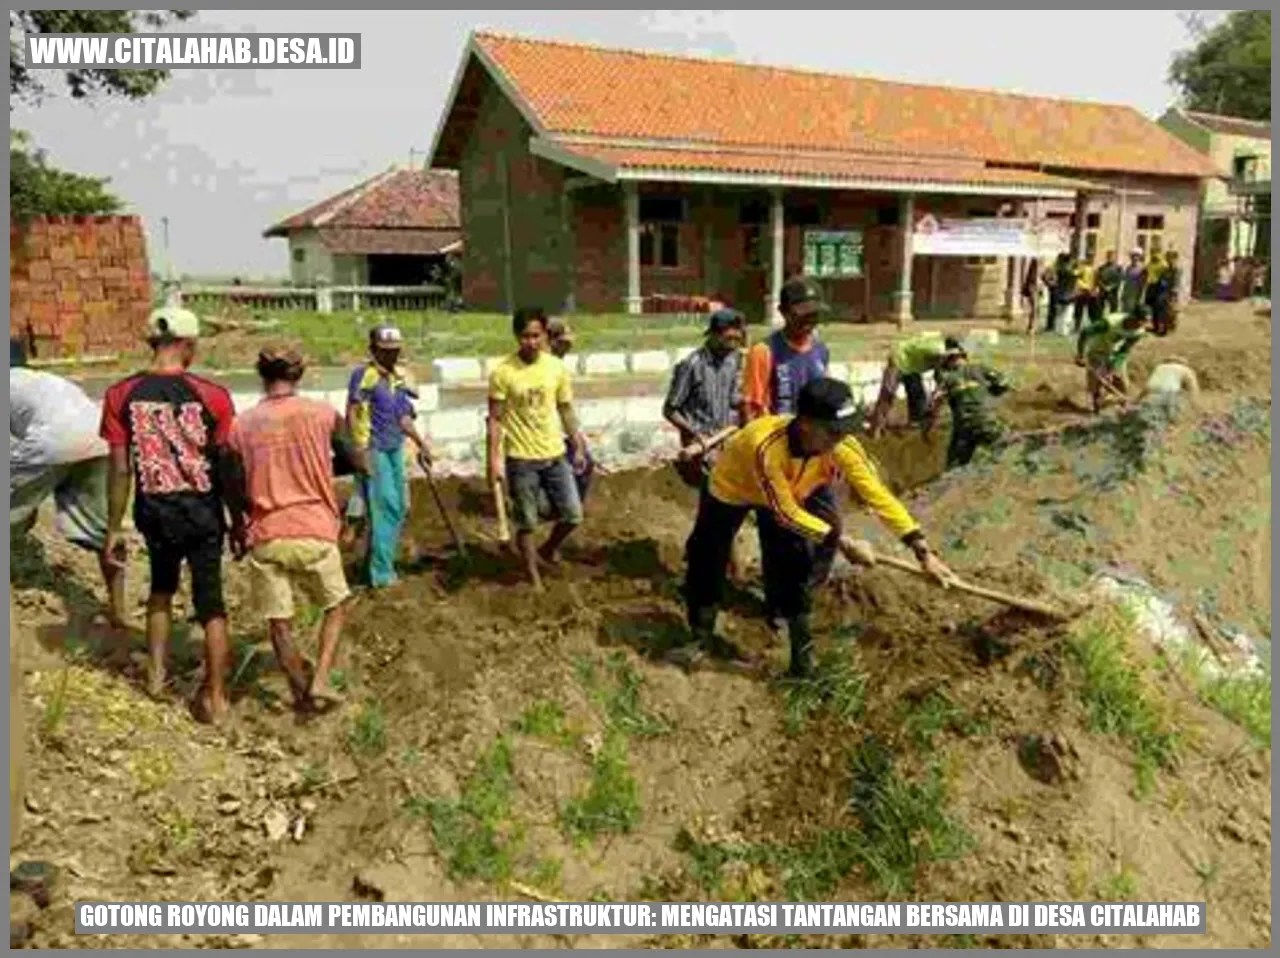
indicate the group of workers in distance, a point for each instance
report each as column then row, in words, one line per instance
column 201, row 477
column 1148, row 285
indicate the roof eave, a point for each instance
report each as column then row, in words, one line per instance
column 867, row 184
column 549, row 150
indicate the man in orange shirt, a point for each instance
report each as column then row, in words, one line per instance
column 775, row 372
column 284, row 512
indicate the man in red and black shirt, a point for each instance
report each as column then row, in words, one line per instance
column 166, row 429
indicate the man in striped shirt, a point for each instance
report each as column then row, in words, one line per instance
column 705, row 391
column 774, row 467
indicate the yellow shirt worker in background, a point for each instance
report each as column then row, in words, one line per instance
column 530, row 411
column 773, row 466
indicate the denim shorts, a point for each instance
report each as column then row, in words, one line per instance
column 553, row 477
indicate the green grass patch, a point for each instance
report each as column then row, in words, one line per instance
column 546, row 720
column 838, row 688
column 935, row 714
column 1245, row 700
column 474, row 833
column 1118, row 699
column 611, row 805
column 367, row 737
column 1121, row 886
column 902, row 827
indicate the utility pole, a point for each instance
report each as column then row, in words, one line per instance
column 168, row 255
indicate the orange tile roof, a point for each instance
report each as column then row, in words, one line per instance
column 817, row 166
column 394, row 199
column 578, row 89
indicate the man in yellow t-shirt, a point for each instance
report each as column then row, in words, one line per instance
column 774, row 466
column 530, row 411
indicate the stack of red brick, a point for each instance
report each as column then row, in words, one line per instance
column 664, row 303
column 79, row 285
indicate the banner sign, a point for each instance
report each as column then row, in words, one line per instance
column 934, row 236
column 630, row 918
column 829, row 254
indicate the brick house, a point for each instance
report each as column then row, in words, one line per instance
column 594, row 179
column 390, row 230
column 1235, row 204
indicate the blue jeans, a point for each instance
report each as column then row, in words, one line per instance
column 554, row 478
column 386, row 499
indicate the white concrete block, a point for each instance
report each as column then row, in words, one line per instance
column 337, row 398
column 867, row 394
column 644, row 410
column 456, row 369
column 865, row 372
column 650, row 361
column 604, row 364
column 601, row 413
column 682, row 353
column 490, row 363
column 456, row 424
column 244, row 401
column 572, row 362
column 982, row 337
column 428, row 398
column 838, row 371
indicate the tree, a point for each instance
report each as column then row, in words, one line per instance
column 82, row 83
column 1228, row 70
column 37, row 189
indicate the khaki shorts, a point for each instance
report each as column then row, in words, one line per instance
column 313, row 564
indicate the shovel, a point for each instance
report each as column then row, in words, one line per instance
column 444, row 514
column 1004, row 598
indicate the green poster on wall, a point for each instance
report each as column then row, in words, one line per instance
column 835, row 254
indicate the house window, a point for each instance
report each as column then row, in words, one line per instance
column 660, row 221
column 299, row 255
column 752, row 246
column 978, row 262
column 1245, row 168
column 1150, row 238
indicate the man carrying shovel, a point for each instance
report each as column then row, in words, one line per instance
column 774, row 466
column 1103, row 348
column 965, row 387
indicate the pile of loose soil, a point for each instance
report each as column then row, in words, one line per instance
column 494, row 741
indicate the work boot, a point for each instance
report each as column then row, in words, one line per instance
column 801, row 648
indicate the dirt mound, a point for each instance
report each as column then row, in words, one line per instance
column 496, row 743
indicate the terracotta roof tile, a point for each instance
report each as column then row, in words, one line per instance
column 1231, row 125
column 830, row 166
column 626, row 94
column 402, row 242
column 396, row 199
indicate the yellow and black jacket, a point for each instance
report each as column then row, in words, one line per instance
column 760, row 467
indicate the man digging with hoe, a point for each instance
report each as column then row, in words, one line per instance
column 774, row 466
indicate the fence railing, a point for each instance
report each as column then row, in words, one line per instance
column 319, row 299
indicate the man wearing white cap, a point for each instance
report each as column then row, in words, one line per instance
column 380, row 415
column 167, row 430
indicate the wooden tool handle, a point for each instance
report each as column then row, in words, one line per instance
column 444, row 514
column 1017, row 602
column 706, row 445
column 500, row 501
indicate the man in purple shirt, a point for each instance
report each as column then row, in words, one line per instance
column 380, row 415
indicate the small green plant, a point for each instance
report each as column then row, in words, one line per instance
column 1122, row 886
column 338, row 680
column 612, row 802
column 545, row 874
column 314, row 776
column 1245, row 700
column 55, row 709
column 474, row 833
column 368, row 735
column 935, row 714
column 623, row 707
column 963, row 941
column 837, row 687
column 1118, row 701
column 545, row 720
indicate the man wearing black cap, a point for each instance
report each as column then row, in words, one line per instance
column 705, row 391
column 774, row 467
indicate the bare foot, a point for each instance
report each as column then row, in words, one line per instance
column 321, row 692
column 156, row 682
column 207, row 710
column 550, row 559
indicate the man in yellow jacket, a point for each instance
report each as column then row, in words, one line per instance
column 773, row 466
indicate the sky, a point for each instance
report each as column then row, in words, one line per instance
column 224, row 154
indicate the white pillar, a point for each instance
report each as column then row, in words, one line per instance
column 906, row 224
column 635, row 303
column 777, row 242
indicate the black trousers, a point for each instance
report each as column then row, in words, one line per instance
column 793, row 565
